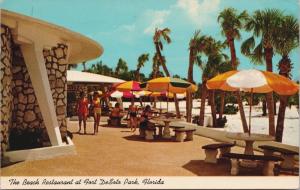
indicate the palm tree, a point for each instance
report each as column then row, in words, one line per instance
column 121, row 67
column 287, row 39
column 160, row 35
column 231, row 23
column 195, row 47
column 141, row 61
column 264, row 25
column 214, row 65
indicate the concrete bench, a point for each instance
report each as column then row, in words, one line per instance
column 268, row 162
column 211, row 151
column 180, row 132
column 287, row 155
column 149, row 133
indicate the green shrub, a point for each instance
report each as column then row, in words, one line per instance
column 231, row 109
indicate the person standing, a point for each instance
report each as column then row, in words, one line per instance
column 82, row 110
column 132, row 111
column 97, row 111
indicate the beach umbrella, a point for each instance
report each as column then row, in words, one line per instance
column 253, row 81
column 119, row 94
column 169, row 84
column 130, row 86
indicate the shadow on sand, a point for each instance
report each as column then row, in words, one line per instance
column 200, row 168
column 155, row 140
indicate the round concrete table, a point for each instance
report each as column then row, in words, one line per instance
column 249, row 140
column 167, row 121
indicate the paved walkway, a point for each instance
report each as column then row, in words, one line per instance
column 119, row 152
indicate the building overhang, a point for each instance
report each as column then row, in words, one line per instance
column 24, row 28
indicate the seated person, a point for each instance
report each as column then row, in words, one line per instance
column 116, row 112
column 145, row 117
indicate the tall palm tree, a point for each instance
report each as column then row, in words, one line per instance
column 287, row 39
column 160, row 35
column 231, row 23
column 195, row 47
column 214, row 65
column 141, row 61
column 158, row 38
column 264, row 25
column 121, row 67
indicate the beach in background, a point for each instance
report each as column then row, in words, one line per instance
column 259, row 122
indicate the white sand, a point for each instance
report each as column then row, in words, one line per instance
column 259, row 123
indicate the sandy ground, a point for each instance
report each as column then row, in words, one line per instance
column 260, row 124
column 119, row 152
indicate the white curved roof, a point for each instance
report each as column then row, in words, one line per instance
column 79, row 76
column 81, row 48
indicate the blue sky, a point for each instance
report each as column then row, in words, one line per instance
column 125, row 27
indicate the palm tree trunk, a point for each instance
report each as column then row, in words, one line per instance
column 202, row 106
column 274, row 106
column 213, row 107
column 242, row 112
column 222, row 94
column 284, row 70
column 270, row 100
column 137, row 75
column 280, row 118
column 189, row 99
column 264, row 107
column 168, row 75
column 162, row 62
column 188, row 106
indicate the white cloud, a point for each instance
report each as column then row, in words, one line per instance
column 156, row 19
column 199, row 12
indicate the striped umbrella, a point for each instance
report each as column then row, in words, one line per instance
column 130, row 86
column 169, row 84
column 253, row 81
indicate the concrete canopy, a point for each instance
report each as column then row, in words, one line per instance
column 81, row 48
column 85, row 77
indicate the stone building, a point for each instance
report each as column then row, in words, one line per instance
column 33, row 73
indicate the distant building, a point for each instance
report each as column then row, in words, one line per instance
column 34, row 61
column 88, row 83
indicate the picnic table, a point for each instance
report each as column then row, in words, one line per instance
column 166, row 131
column 249, row 140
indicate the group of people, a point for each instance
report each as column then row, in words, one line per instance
column 84, row 105
column 142, row 121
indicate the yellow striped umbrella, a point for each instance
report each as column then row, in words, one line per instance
column 169, row 84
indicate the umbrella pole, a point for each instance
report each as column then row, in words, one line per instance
column 251, row 97
column 168, row 98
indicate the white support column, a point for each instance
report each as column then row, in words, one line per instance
column 34, row 59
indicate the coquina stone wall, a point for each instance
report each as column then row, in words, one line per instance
column 57, row 74
column 5, row 86
column 21, row 119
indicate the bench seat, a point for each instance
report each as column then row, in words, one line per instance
column 211, row 151
column 181, row 131
column 149, row 133
column 268, row 162
column 287, row 155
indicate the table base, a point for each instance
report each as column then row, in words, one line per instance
column 248, row 163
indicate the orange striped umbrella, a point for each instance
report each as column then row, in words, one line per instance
column 253, row 81
column 256, row 80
